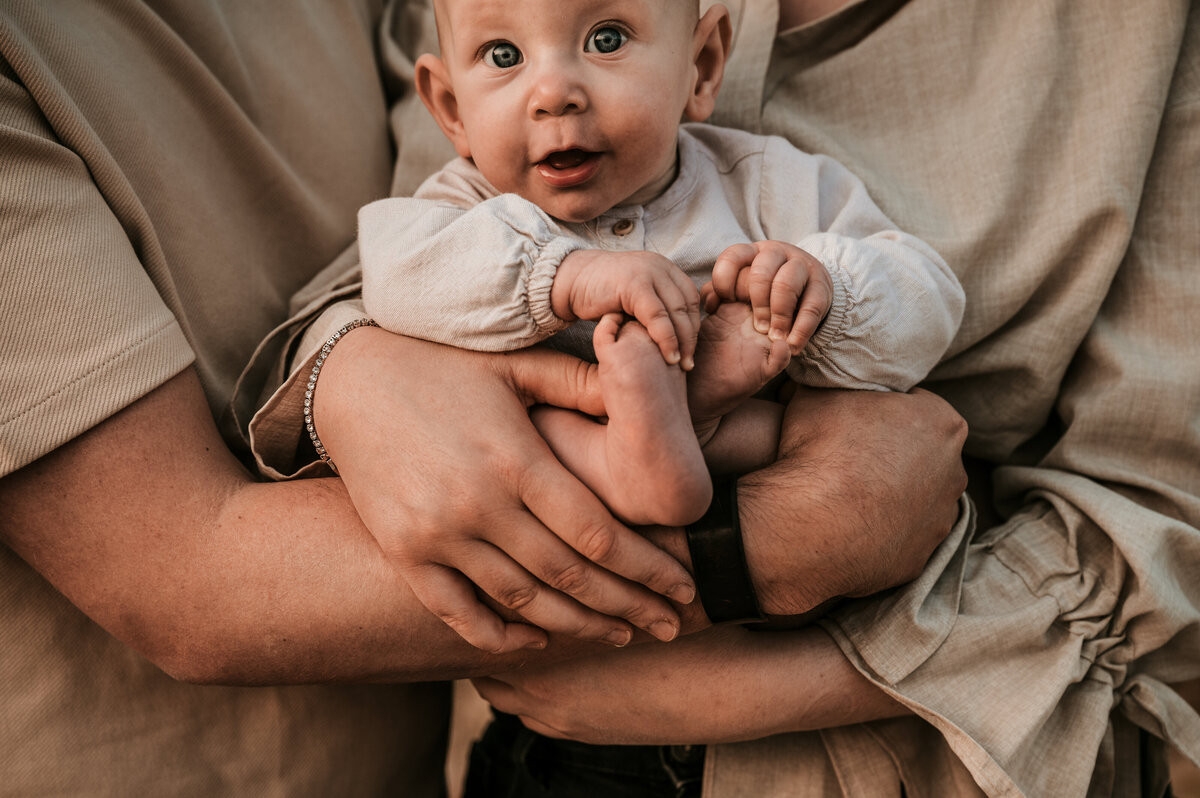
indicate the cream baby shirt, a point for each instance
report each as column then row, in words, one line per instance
column 461, row 264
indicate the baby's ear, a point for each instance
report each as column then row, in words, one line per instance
column 437, row 92
column 710, row 49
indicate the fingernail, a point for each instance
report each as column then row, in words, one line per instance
column 688, row 364
column 775, row 334
column 664, row 630
column 673, row 358
column 684, row 594
column 536, row 645
column 761, row 326
column 618, row 637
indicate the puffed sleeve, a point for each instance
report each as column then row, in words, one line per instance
column 896, row 304
column 83, row 330
column 460, row 265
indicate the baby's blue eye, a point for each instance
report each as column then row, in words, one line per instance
column 502, row 55
column 606, row 40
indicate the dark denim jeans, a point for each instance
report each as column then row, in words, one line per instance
column 512, row 762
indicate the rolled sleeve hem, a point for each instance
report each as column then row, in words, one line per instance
column 84, row 402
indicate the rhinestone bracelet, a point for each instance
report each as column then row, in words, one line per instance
column 312, row 386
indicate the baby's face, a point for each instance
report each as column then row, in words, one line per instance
column 573, row 104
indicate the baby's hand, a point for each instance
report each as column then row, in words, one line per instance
column 789, row 290
column 590, row 283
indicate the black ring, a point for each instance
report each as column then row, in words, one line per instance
column 719, row 561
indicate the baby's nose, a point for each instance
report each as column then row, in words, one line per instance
column 557, row 92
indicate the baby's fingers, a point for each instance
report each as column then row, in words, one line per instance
column 785, row 295
column 668, row 317
column 728, row 266
column 761, row 285
column 686, row 319
column 814, row 305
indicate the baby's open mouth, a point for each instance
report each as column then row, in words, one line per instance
column 569, row 168
column 567, row 159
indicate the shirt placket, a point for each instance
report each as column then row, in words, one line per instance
column 621, row 230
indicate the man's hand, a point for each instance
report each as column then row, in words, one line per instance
column 445, row 468
column 722, row 685
column 865, row 488
column 591, row 283
column 789, row 290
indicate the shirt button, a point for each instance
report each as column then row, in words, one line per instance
column 623, row 227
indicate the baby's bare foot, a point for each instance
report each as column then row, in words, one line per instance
column 654, row 462
column 733, row 361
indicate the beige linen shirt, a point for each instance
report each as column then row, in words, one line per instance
column 1048, row 150
column 462, row 264
column 170, row 174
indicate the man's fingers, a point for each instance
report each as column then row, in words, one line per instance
column 494, row 690
column 450, row 596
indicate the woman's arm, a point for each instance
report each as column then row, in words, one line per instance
column 152, row 528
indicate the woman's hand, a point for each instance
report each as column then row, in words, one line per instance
column 437, row 451
column 722, row 685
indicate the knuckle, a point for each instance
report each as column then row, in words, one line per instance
column 762, row 270
column 597, row 541
column 423, row 532
column 516, row 597
column 573, row 580
column 508, row 466
column 810, row 311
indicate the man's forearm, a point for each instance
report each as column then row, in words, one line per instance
column 865, row 487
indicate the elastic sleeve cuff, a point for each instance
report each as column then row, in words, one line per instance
column 838, row 317
column 541, row 280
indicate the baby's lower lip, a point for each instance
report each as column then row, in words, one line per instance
column 568, row 168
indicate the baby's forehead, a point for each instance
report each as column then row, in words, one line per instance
column 441, row 7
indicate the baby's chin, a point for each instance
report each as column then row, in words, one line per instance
column 574, row 209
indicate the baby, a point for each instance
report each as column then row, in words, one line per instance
column 579, row 195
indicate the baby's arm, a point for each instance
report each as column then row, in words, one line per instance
column 476, row 277
column 896, row 303
column 496, row 273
